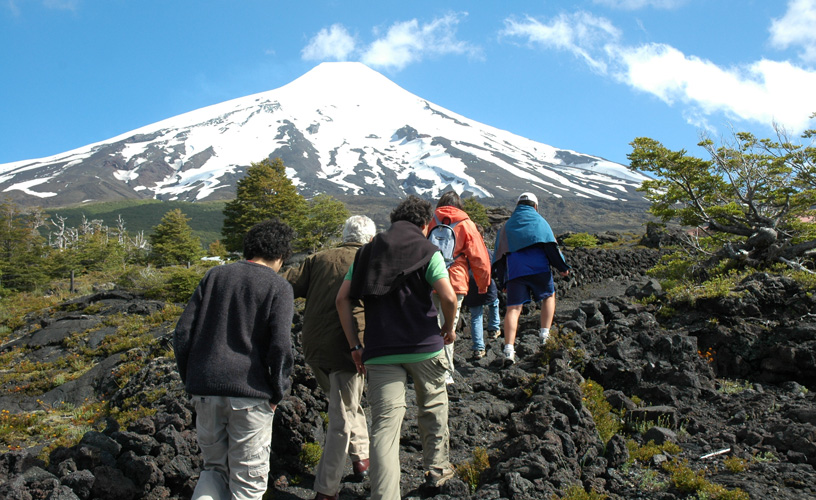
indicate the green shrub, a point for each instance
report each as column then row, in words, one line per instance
column 577, row 492
column 735, row 465
column 581, row 240
column 645, row 452
column 310, row 455
column 687, row 480
column 607, row 422
column 471, row 472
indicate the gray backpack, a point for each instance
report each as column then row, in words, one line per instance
column 444, row 238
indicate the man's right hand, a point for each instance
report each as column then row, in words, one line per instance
column 449, row 335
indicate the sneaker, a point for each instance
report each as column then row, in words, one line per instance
column 509, row 355
column 544, row 337
column 494, row 334
column 437, row 477
column 448, row 379
column 478, row 354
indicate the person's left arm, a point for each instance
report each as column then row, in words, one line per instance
column 478, row 257
column 556, row 258
column 280, row 358
column 299, row 278
column 182, row 335
column 345, row 306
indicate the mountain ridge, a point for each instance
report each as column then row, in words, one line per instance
column 340, row 129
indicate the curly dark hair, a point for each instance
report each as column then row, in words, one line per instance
column 450, row 199
column 414, row 210
column 269, row 240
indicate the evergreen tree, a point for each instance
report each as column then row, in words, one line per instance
column 217, row 249
column 264, row 193
column 323, row 221
column 173, row 241
column 22, row 249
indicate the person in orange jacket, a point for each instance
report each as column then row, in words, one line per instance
column 470, row 254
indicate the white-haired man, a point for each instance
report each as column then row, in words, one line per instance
column 326, row 350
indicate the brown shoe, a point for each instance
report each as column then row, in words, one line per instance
column 321, row 496
column 360, row 468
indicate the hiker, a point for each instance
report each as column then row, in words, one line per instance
column 394, row 275
column 326, row 351
column 467, row 256
column 476, row 303
column 234, row 354
column 525, row 252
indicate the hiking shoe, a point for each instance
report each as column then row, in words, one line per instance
column 509, row 355
column 360, row 468
column 478, row 354
column 494, row 334
column 448, row 379
column 437, row 477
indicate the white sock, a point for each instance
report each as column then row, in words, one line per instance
column 509, row 348
column 544, row 333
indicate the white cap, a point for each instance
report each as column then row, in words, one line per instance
column 527, row 197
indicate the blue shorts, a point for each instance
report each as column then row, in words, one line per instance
column 539, row 286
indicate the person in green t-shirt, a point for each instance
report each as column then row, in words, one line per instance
column 394, row 275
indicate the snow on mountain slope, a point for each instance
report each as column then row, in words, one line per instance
column 340, row 128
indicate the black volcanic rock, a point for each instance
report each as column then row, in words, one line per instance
column 532, row 419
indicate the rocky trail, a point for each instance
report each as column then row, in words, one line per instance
column 725, row 391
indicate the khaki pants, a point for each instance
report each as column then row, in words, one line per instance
column 441, row 319
column 235, row 437
column 386, row 395
column 347, row 433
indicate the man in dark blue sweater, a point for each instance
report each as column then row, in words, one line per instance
column 234, row 354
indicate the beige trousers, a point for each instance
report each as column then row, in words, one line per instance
column 441, row 319
column 387, row 386
column 235, row 437
column 347, row 434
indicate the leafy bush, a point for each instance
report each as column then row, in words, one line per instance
column 310, row 454
column 735, row 465
column 607, row 422
column 471, row 472
column 581, row 240
column 577, row 492
column 687, row 480
column 171, row 284
column 645, row 452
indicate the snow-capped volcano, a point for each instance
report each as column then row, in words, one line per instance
column 342, row 128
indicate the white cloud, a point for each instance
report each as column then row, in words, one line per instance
column 409, row 41
column 581, row 33
column 639, row 4
column 797, row 28
column 765, row 91
column 334, row 43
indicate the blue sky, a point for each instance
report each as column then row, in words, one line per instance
column 587, row 75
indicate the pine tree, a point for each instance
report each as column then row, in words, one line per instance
column 323, row 221
column 173, row 241
column 264, row 193
column 21, row 247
